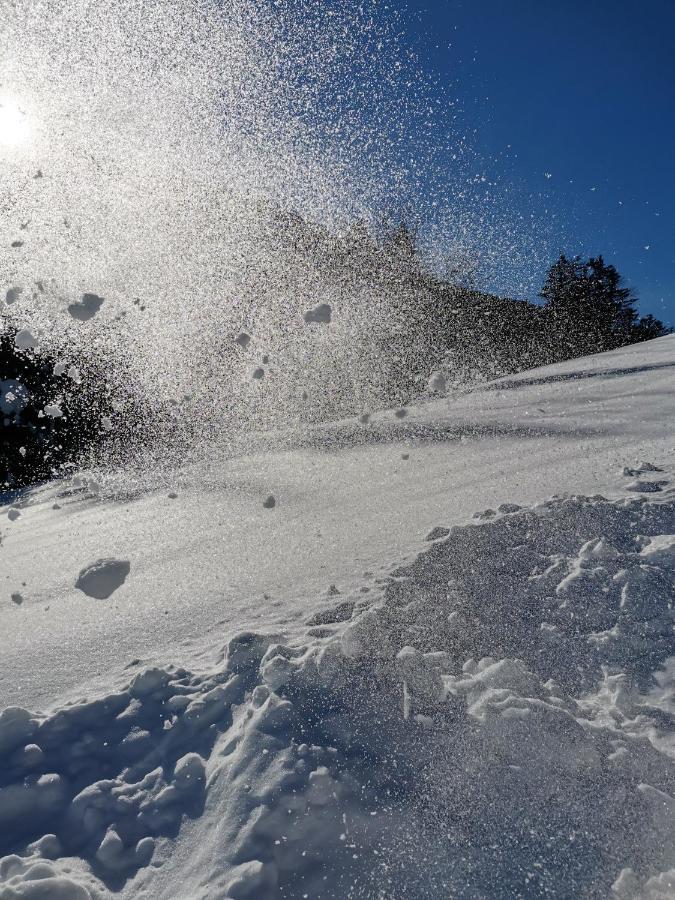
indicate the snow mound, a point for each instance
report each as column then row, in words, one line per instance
column 101, row 578
column 496, row 724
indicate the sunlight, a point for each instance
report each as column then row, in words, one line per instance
column 14, row 124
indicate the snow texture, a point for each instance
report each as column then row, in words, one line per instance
column 495, row 724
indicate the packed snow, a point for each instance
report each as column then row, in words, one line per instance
column 453, row 677
column 101, row 578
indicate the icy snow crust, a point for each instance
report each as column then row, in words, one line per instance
column 497, row 723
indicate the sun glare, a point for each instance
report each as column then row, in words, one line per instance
column 14, row 125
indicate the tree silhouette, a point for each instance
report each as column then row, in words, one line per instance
column 589, row 310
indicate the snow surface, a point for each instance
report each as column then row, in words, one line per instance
column 449, row 676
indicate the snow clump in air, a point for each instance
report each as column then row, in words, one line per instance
column 322, row 314
column 25, row 339
column 85, row 308
column 437, row 383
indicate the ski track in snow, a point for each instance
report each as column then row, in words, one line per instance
column 491, row 717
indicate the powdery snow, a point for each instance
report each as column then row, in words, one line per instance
column 490, row 720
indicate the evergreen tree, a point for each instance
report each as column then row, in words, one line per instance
column 589, row 310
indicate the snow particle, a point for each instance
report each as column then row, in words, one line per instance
column 269, row 502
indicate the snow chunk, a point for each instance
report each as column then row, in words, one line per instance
column 322, row 314
column 437, row 383
column 269, row 502
column 189, row 772
column 53, row 410
column 243, row 339
column 13, row 295
column 25, row 339
column 13, row 514
column 101, row 578
column 86, row 308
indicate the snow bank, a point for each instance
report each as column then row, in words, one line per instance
column 497, row 723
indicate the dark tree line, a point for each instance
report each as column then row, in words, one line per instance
column 589, row 310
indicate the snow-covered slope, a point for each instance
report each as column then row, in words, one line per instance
column 328, row 698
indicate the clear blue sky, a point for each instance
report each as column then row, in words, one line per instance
column 583, row 90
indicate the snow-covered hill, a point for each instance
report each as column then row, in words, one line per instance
column 440, row 665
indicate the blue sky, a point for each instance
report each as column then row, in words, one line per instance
column 583, row 90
